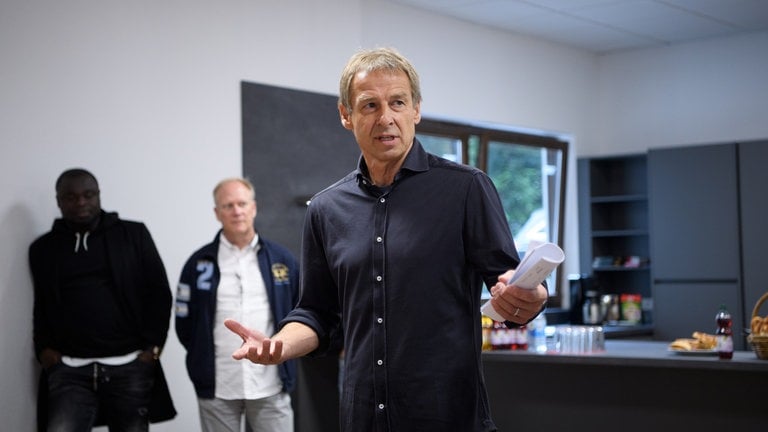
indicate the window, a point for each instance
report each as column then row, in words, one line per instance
column 528, row 170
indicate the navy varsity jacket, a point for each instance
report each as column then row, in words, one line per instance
column 196, row 307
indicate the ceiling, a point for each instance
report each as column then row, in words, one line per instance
column 603, row 26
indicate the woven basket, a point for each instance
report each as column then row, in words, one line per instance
column 759, row 342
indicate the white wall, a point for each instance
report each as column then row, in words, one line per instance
column 695, row 93
column 146, row 95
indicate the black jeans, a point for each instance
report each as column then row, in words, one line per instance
column 119, row 395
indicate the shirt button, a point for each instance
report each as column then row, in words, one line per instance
column 378, row 239
column 378, row 278
column 382, row 200
column 381, row 406
column 379, row 362
column 379, row 320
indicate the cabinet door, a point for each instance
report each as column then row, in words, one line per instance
column 687, row 307
column 753, row 162
column 693, row 210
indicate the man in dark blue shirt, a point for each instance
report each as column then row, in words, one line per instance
column 394, row 257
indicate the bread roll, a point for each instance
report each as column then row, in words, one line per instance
column 705, row 341
column 683, row 344
column 763, row 331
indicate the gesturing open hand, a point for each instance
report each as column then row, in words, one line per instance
column 257, row 347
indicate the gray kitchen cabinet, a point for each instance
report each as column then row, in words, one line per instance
column 697, row 200
column 682, row 307
column 693, row 208
column 753, row 168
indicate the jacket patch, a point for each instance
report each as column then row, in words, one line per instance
column 182, row 292
column 182, row 309
column 280, row 273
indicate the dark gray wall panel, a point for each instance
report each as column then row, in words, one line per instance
column 293, row 146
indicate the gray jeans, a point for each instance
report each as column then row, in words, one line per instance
column 270, row 414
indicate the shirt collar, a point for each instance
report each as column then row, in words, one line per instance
column 223, row 241
column 416, row 161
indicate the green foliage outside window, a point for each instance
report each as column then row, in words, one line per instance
column 516, row 172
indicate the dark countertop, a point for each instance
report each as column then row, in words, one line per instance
column 638, row 353
column 634, row 386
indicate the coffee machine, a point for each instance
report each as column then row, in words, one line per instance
column 579, row 286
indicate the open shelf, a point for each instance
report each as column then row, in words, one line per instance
column 613, row 219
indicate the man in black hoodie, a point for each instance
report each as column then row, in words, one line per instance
column 101, row 316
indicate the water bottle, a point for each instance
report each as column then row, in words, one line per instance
column 538, row 334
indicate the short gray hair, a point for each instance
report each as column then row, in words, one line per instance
column 242, row 180
column 372, row 60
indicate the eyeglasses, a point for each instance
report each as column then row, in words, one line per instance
column 242, row 205
column 71, row 198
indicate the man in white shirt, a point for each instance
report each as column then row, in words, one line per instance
column 243, row 276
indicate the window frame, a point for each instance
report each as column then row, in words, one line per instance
column 488, row 133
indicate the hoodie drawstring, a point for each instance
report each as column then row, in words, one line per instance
column 85, row 241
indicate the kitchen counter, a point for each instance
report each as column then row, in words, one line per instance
column 642, row 354
column 632, row 386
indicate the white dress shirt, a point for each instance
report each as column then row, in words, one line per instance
column 241, row 295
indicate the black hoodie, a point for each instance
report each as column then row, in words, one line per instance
column 137, row 279
column 70, row 271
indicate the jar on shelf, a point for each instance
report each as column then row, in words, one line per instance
column 591, row 309
column 631, row 309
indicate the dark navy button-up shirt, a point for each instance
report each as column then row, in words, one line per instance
column 399, row 271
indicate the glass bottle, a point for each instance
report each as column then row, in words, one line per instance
column 500, row 336
column 724, row 333
column 521, row 339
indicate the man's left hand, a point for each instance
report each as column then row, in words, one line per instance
column 515, row 304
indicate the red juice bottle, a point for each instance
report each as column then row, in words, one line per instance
column 724, row 334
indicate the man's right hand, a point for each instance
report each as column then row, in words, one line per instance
column 49, row 357
column 257, row 347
